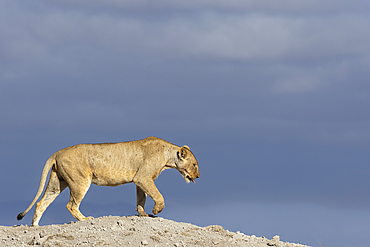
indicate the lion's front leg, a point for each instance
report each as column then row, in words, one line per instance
column 148, row 187
column 141, row 198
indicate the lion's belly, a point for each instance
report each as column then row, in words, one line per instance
column 111, row 176
column 112, row 166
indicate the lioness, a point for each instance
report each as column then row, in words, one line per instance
column 111, row 164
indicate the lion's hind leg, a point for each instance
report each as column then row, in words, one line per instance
column 78, row 192
column 55, row 186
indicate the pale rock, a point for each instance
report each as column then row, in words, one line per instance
column 275, row 238
column 238, row 235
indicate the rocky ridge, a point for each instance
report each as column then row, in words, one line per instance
column 131, row 231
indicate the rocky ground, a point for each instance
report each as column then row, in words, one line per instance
column 131, row 231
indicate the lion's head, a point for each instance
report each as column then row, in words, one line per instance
column 187, row 165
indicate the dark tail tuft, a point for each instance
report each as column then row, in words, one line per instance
column 20, row 216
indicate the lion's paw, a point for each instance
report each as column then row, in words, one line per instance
column 158, row 208
column 141, row 211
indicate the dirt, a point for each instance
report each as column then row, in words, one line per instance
column 131, row 231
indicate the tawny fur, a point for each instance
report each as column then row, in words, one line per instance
column 111, row 164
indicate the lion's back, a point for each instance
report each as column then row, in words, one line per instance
column 114, row 163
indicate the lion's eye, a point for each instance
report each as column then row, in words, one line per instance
column 194, row 165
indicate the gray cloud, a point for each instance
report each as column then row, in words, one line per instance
column 285, row 6
column 240, row 36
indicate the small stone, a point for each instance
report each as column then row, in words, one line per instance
column 275, row 238
column 238, row 235
column 177, row 245
column 144, row 242
column 34, row 241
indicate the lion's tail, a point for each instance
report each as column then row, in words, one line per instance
column 49, row 163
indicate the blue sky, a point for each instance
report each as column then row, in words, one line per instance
column 272, row 98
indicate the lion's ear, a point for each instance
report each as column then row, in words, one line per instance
column 183, row 152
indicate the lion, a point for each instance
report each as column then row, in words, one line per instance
column 111, row 164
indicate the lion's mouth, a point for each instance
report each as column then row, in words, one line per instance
column 190, row 179
column 186, row 175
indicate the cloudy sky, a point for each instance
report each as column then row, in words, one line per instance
column 271, row 96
